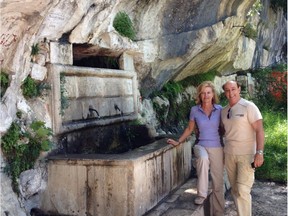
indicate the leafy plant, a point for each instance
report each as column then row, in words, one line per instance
column 35, row 49
column 32, row 89
column 249, row 31
column 29, row 88
column 4, row 81
column 271, row 87
column 170, row 90
column 177, row 112
column 64, row 99
column 123, row 24
column 22, row 148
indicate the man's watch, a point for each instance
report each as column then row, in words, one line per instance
column 259, row 152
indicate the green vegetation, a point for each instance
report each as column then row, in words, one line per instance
column 271, row 87
column 22, row 148
column 32, row 89
column 64, row 99
column 34, row 52
column 123, row 25
column 272, row 102
column 249, row 31
column 197, row 79
column 29, row 88
column 271, row 98
column 256, row 8
column 177, row 112
column 275, row 164
column 4, row 82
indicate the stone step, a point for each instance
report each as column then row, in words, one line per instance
column 180, row 202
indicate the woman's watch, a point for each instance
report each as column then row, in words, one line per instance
column 259, row 152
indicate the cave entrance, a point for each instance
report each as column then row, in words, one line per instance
column 85, row 55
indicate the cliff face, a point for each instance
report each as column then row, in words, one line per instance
column 174, row 40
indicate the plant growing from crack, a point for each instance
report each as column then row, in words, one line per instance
column 21, row 147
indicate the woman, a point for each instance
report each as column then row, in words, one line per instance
column 205, row 117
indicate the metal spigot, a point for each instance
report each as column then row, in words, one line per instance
column 117, row 108
column 91, row 110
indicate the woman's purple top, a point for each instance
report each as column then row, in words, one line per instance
column 208, row 126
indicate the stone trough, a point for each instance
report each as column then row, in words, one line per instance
column 124, row 184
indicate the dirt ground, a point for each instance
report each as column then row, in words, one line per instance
column 268, row 199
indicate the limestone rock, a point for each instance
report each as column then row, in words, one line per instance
column 30, row 182
column 9, row 204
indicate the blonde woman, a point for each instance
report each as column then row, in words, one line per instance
column 208, row 150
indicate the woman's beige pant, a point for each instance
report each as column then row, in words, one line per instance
column 211, row 158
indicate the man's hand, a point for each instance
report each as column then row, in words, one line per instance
column 258, row 160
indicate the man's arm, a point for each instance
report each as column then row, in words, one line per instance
column 260, row 138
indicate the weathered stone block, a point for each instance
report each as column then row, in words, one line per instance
column 61, row 53
column 125, row 184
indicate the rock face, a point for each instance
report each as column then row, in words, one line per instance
column 174, row 40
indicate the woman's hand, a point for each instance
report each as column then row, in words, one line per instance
column 173, row 142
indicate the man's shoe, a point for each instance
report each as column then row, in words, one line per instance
column 199, row 200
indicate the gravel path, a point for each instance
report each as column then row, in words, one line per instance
column 268, row 199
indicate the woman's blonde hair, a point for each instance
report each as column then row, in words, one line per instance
column 204, row 85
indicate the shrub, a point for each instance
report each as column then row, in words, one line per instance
column 123, row 25
column 271, row 87
column 29, row 88
column 177, row 113
column 249, row 31
column 22, row 148
column 271, row 98
column 32, row 89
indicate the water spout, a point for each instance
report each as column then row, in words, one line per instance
column 91, row 110
column 117, row 108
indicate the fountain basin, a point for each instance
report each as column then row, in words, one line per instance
column 124, row 184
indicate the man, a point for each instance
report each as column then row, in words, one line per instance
column 244, row 145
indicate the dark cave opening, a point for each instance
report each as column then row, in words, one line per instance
column 98, row 62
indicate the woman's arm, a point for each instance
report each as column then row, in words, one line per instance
column 187, row 132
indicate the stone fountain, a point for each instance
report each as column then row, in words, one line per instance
column 86, row 177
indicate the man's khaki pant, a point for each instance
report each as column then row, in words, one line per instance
column 213, row 158
column 241, row 178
